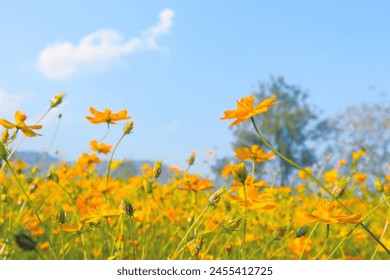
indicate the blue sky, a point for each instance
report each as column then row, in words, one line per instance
column 177, row 65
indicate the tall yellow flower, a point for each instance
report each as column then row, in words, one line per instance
column 253, row 153
column 245, row 109
column 107, row 116
column 329, row 214
column 20, row 125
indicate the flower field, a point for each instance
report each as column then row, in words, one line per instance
column 74, row 212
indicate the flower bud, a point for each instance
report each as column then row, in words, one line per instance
column 52, row 175
column 279, row 232
column 157, row 169
column 3, row 151
column 340, row 186
column 216, row 196
column 128, row 208
column 378, row 185
column 57, row 100
column 25, row 242
column 5, row 136
column 231, row 223
column 61, row 217
column 191, row 160
column 302, row 232
column 128, row 127
column 239, row 172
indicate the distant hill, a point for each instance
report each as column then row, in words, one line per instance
column 128, row 168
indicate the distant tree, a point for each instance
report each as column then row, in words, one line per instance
column 291, row 126
column 366, row 127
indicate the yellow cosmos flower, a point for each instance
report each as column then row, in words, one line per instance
column 107, row 116
column 87, row 160
column 20, row 125
column 100, row 147
column 256, row 200
column 253, row 153
column 329, row 214
column 193, row 183
column 245, row 109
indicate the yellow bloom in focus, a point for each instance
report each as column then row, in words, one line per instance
column 253, row 153
column 245, row 109
column 329, row 214
column 100, row 147
column 20, row 125
column 107, row 116
column 360, row 177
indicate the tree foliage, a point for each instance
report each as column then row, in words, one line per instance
column 366, row 127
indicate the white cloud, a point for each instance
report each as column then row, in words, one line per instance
column 9, row 103
column 98, row 49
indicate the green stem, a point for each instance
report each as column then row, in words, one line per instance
column 132, row 237
column 355, row 227
column 245, row 222
column 188, row 231
column 212, row 242
column 308, row 239
column 62, row 243
column 262, row 247
column 292, row 163
column 23, row 190
column 383, row 233
column 109, row 166
column 326, row 241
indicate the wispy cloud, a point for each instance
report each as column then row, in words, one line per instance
column 98, row 49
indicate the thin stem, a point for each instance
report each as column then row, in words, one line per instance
column 292, row 163
column 23, row 190
column 109, row 166
column 262, row 247
column 355, row 227
column 212, row 242
column 245, row 222
column 132, row 237
column 383, row 233
column 145, row 231
column 326, row 241
column 189, row 230
column 62, row 242
column 307, row 241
